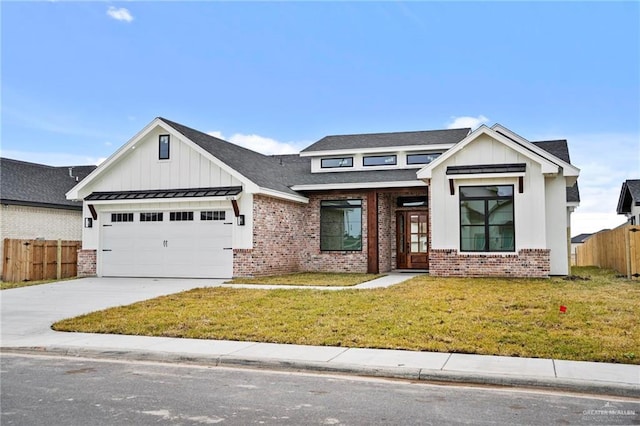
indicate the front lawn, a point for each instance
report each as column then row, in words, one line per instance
column 309, row 279
column 512, row 317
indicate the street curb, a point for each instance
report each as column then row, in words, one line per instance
column 405, row 373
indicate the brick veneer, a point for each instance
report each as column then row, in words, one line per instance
column 527, row 263
column 87, row 263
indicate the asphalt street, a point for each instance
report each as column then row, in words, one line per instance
column 44, row 390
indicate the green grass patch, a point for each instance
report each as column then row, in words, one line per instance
column 309, row 279
column 8, row 285
column 512, row 317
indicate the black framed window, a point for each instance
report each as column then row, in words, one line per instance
column 341, row 225
column 180, row 216
column 421, row 158
column 379, row 160
column 486, row 218
column 151, row 217
column 121, row 217
column 213, row 215
column 163, row 150
column 329, row 163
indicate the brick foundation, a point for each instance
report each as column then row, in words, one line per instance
column 87, row 263
column 533, row 263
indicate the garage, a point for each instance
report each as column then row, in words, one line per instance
column 181, row 244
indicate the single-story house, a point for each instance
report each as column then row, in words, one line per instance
column 177, row 202
column 33, row 201
column 629, row 201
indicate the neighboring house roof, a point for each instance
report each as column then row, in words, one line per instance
column 383, row 140
column 39, row 185
column 579, row 239
column 629, row 195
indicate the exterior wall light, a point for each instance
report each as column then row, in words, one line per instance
column 88, row 222
column 240, row 220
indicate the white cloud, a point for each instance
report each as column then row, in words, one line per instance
column 259, row 143
column 465, row 121
column 52, row 158
column 120, row 14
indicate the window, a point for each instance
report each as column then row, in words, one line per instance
column 163, row 147
column 213, row 215
column 379, row 160
column 412, row 201
column 486, row 218
column 121, row 217
column 150, row 217
column 180, row 216
column 421, row 158
column 341, row 225
column 328, row 163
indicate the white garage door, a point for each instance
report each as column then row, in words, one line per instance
column 190, row 244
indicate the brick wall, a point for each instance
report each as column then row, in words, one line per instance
column 535, row 263
column 25, row 222
column 278, row 234
column 87, row 263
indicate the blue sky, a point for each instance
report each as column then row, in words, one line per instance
column 81, row 78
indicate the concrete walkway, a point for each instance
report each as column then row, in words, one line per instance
column 28, row 312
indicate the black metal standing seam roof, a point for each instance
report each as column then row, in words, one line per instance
column 383, row 140
column 33, row 184
column 165, row 193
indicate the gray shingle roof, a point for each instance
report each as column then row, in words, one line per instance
column 559, row 148
column 579, row 239
column 34, row 184
column 629, row 195
column 381, row 140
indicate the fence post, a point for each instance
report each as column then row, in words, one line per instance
column 59, row 260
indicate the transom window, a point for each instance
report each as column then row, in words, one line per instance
column 417, row 201
column 213, row 215
column 486, row 218
column 328, row 163
column 121, row 217
column 379, row 160
column 150, row 217
column 163, row 150
column 421, row 158
column 180, row 216
column 341, row 225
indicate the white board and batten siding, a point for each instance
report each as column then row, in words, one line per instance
column 199, row 249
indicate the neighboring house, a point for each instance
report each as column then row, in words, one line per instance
column 629, row 201
column 34, row 203
column 577, row 241
column 176, row 202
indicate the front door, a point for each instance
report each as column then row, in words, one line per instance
column 412, row 240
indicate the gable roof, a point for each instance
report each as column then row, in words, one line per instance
column 579, row 239
column 39, row 185
column 383, row 140
column 629, row 195
column 560, row 149
column 263, row 170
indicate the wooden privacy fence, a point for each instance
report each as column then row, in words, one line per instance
column 33, row 260
column 617, row 249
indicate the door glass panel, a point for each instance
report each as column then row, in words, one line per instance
column 418, row 233
column 401, row 233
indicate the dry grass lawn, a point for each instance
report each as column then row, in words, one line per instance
column 310, row 279
column 8, row 285
column 512, row 317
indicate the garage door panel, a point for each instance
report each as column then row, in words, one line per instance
column 197, row 249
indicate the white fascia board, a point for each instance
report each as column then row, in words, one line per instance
column 281, row 195
column 380, row 150
column 361, row 185
column 567, row 168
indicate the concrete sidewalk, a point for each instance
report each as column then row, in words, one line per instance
column 28, row 312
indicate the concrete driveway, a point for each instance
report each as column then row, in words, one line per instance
column 28, row 312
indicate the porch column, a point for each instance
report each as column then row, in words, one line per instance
column 372, row 232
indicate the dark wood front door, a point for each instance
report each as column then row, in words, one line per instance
column 412, row 240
